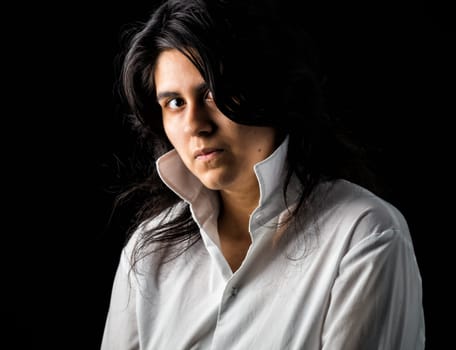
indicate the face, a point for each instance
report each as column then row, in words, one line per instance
column 219, row 152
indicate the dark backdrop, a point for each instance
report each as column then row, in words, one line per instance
column 391, row 76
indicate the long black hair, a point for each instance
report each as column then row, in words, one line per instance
column 262, row 70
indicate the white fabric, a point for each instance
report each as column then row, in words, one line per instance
column 349, row 281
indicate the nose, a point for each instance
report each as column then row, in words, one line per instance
column 199, row 121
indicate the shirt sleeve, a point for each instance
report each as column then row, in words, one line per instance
column 121, row 332
column 376, row 301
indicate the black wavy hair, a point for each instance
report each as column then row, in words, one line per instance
column 262, row 70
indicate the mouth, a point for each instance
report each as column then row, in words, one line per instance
column 207, row 153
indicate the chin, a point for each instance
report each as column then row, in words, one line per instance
column 215, row 183
column 215, row 186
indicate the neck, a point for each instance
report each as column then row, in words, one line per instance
column 236, row 208
column 233, row 224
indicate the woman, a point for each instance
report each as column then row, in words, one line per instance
column 256, row 232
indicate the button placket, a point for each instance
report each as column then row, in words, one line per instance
column 234, row 291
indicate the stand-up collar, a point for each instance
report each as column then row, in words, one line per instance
column 269, row 172
column 180, row 180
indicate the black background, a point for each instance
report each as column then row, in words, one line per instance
column 391, row 76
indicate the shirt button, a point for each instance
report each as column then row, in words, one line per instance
column 234, row 291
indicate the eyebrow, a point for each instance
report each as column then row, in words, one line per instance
column 199, row 90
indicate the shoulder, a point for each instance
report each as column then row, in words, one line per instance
column 138, row 244
column 362, row 214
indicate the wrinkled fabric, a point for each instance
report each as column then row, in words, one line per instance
column 347, row 280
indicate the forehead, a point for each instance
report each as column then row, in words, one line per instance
column 174, row 70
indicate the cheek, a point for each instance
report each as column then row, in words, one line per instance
column 170, row 132
column 176, row 138
column 260, row 143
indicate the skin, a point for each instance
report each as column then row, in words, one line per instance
column 219, row 152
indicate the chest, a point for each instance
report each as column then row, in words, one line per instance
column 269, row 302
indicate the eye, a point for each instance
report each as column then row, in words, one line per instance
column 175, row 103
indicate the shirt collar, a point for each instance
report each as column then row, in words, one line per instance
column 270, row 172
column 180, row 180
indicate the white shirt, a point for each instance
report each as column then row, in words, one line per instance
column 349, row 281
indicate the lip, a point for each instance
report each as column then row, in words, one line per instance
column 207, row 153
